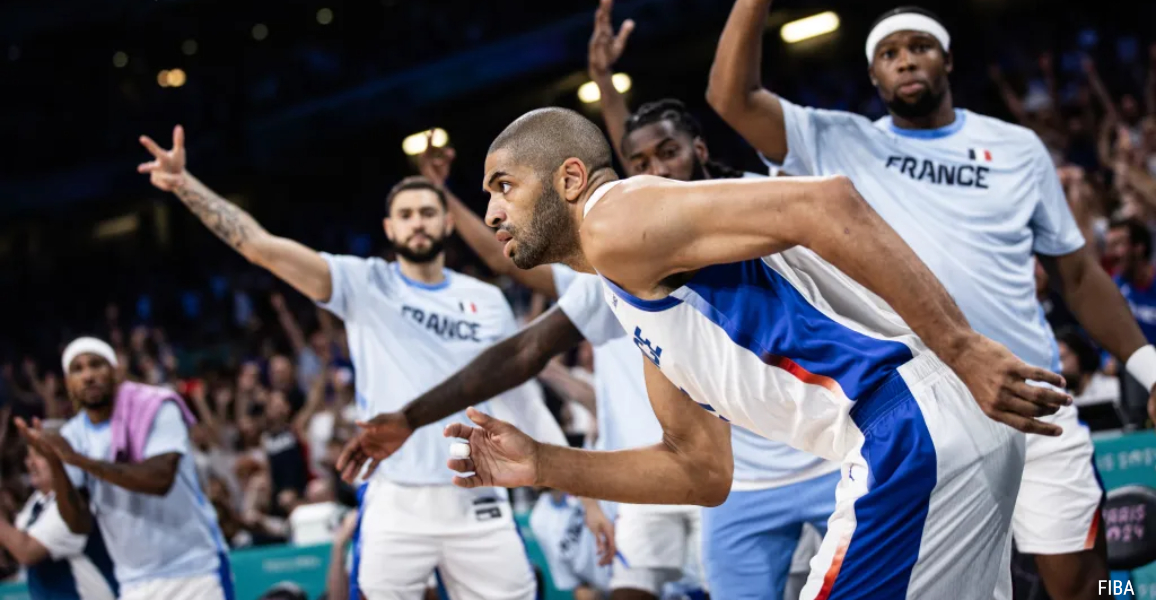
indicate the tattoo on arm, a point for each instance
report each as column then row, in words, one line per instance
column 228, row 222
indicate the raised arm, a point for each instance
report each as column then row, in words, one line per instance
column 435, row 164
column 1010, row 98
column 691, row 465
column 736, row 89
column 500, row 368
column 296, row 264
column 647, row 229
column 605, row 49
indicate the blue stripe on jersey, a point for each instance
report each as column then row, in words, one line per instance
column 52, row 580
column 890, row 517
column 225, row 573
column 421, row 285
column 97, row 552
column 762, row 312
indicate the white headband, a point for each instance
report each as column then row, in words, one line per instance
column 88, row 345
column 908, row 21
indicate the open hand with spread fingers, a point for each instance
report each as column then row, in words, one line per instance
column 500, row 454
column 167, row 169
column 1000, row 384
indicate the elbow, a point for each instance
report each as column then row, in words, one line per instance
column 725, row 101
column 717, row 486
column 840, row 194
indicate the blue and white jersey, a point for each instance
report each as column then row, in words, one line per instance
column 150, row 537
column 78, row 566
column 405, row 337
column 783, row 346
column 625, row 417
column 974, row 199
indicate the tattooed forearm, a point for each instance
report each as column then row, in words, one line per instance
column 233, row 225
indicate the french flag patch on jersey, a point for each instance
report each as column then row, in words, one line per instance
column 979, row 154
column 468, row 307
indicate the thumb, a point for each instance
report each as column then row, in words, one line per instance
column 482, row 420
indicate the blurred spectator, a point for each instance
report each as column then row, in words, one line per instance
column 284, row 451
column 1129, row 250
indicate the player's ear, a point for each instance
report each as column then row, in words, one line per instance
column 948, row 61
column 871, row 75
column 701, row 151
column 387, row 226
column 572, row 179
column 449, row 223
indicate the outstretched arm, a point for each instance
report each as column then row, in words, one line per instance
column 296, row 264
column 691, row 465
column 605, row 49
column 647, row 229
column 736, row 89
column 500, row 368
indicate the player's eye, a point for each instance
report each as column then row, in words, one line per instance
column 504, row 186
column 641, row 166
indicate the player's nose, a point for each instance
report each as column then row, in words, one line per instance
column 495, row 216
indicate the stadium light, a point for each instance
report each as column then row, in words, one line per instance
column 809, row 27
column 163, row 78
column 589, row 93
column 177, row 78
column 119, row 60
column 189, row 47
column 260, row 31
column 415, row 144
column 325, row 16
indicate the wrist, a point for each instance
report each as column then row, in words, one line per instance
column 952, row 347
column 1142, row 366
column 602, row 77
column 541, row 459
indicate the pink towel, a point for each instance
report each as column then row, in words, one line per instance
column 132, row 418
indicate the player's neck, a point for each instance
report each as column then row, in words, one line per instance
column 100, row 414
column 942, row 116
column 430, row 273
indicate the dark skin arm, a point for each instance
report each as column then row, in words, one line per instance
column 1096, row 301
column 154, row 476
column 500, row 368
column 736, row 89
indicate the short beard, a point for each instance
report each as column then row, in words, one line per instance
column 421, row 257
column 99, row 403
column 924, row 106
column 551, row 235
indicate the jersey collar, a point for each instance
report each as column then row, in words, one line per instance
column 930, row 134
column 429, row 287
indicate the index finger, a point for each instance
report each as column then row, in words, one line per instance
column 602, row 15
column 347, row 453
column 152, row 146
column 458, row 430
column 178, row 138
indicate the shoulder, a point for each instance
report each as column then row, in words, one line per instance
column 824, row 116
column 1003, row 134
column 72, row 429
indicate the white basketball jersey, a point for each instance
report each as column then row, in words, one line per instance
column 783, row 346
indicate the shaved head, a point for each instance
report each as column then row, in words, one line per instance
column 538, row 172
column 546, row 137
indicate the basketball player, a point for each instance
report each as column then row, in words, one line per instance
column 410, row 323
column 749, row 541
column 975, row 198
column 784, row 345
column 126, row 458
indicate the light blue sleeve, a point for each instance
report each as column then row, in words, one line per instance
column 169, row 433
column 585, row 306
column 812, row 133
column 349, row 277
column 1054, row 228
column 563, row 277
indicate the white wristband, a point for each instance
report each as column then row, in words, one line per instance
column 1142, row 366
